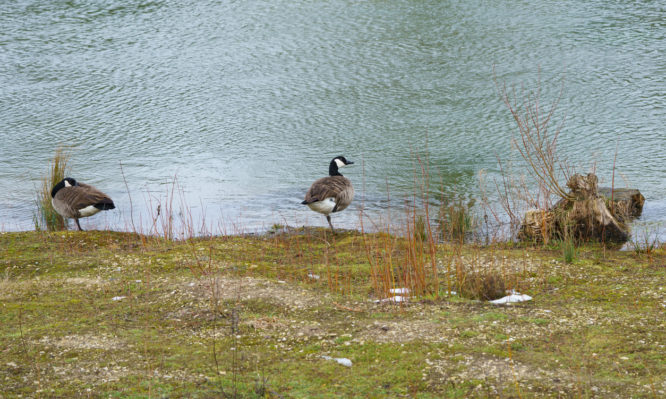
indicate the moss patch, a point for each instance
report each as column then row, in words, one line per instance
column 107, row 314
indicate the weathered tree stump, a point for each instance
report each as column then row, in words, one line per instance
column 626, row 204
column 537, row 226
column 588, row 214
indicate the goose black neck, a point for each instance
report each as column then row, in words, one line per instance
column 333, row 169
column 57, row 188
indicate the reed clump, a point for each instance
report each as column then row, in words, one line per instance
column 46, row 218
column 646, row 242
column 456, row 220
column 569, row 250
column 485, row 286
column 569, row 245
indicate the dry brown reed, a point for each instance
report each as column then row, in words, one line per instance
column 645, row 241
column 172, row 218
column 47, row 218
column 406, row 257
column 409, row 254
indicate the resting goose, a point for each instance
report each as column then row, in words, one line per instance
column 331, row 194
column 72, row 199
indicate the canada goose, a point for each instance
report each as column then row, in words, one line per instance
column 72, row 199
column 331, row 194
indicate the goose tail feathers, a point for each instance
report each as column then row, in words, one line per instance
column 105, row 205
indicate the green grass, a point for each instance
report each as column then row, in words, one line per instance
column 569, row 250
column 594, row 329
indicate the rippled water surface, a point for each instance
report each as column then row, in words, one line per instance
column 247, row 102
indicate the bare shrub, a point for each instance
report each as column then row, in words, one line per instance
column 536, row 144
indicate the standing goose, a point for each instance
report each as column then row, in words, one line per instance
column 331, row 194
column 72, row 199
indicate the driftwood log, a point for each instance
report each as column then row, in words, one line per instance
column 588, row 214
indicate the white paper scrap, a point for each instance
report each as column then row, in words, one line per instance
column 396, row 299
column 341, row 360
column 513, row 298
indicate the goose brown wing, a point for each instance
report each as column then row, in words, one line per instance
column 95, row 197
column 70, row 200
column 326, row 187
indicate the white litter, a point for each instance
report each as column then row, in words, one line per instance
column 313, row 276
column 401, row 291
column 118, row 298
column 512, row 298
column 342, row 360
column 396, row 299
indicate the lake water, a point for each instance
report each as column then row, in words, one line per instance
column 246, row 102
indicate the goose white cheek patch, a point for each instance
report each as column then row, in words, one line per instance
column 339, row 163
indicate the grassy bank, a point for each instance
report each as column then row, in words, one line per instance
column 106, row 314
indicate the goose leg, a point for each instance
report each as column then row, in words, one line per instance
column 328, row 217
column 77, row 224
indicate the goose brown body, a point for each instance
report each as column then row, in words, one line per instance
column 337, row 187
column 331, row 194
column 75, row 200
